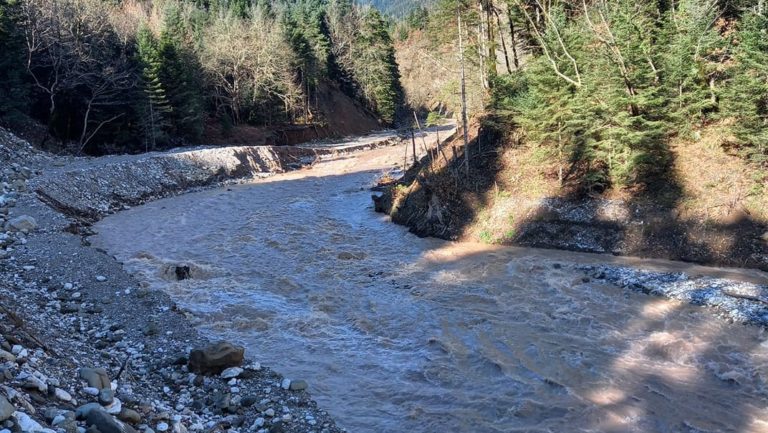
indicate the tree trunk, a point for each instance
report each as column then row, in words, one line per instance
column 503, row 42
column 513, row 38
column 463, row 96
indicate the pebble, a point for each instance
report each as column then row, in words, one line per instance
column 27, row 424
column 163, row 426
column 7, row 356
column 6, row 408
column 107, row 424
column 96, row 377
column 21, row 223
column 91, row 391
column 62, row 395
column 83, row 411
column 298, row 385
column 101, row 278
column 33, row 382
column 216, row 358
column 129, row 416
column 231, row 372
column 269, row 412
column 106, row 396
column 115, row 407
column 286, row 384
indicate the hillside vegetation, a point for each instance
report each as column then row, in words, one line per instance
column 138, row 75
column 604, row 85
column 629, row 127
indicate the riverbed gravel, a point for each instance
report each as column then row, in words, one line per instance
column 736, row 301
column 85, row 347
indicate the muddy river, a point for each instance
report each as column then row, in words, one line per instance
column 400, row 334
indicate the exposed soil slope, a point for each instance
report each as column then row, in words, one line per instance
column 712, row 209
column 335, row 115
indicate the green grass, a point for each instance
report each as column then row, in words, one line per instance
column 486, row 237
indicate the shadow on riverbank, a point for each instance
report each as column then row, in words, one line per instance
column 503, row 198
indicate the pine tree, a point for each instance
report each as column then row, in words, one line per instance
column 180, row 76
column 153, row 104
column 690, row 41
column 375, row 66
column 747, row 98
column 624, row 83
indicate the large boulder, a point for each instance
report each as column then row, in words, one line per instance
column 6, row 409
column 216, row 358
column 21, row 223
column 96, row 377
column 106, row 423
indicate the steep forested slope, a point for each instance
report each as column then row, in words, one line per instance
column 137, row 75
column 644, row 121
column 398, row 8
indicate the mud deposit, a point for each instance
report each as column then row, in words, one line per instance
column 400, row 334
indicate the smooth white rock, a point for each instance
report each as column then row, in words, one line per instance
column 27, row 424
column 231, row 372
column 62, row 395
column 115, row 407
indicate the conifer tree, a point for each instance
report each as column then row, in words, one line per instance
column 376, row 68
column 179, row 74
column 690, row 41
column 153, row 104
column 747, row 98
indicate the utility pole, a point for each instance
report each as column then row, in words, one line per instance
column 463, row 93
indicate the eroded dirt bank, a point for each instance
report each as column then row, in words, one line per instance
column 710, row 209
column 91, row 188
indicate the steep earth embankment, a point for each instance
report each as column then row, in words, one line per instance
column 88, row 189
column 712, row 209
column 338, row 115
column 85, row 345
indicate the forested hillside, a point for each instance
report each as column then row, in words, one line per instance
column 602, row 86
column 637, row 128
column 398, row 8
column 139, row 75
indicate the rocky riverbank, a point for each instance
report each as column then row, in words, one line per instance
column 84, row 346
column 735, row 301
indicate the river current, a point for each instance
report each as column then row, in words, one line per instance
column 400, row 334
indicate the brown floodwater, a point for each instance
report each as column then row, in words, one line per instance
column 400, row 334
